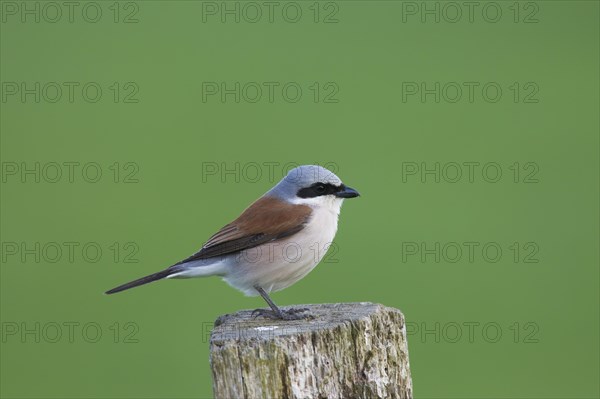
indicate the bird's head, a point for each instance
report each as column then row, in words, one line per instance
column 314, row 186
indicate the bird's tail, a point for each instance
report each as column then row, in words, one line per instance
column 144, row 280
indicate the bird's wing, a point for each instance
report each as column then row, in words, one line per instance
column 267, row 219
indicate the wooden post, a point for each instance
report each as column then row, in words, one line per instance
column 348, row 350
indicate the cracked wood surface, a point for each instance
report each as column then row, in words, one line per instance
column 346, row 350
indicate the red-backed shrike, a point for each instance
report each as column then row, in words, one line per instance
column 274, row 243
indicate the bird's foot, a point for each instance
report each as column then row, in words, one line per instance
column 288, row 314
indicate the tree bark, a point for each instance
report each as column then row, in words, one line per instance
column 346, row 350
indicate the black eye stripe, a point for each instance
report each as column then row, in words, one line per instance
column 318, row 189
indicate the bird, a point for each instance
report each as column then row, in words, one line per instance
column 274, row 243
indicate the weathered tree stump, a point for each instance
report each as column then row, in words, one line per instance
column 348, row 350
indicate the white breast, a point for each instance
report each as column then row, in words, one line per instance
column 275, row 266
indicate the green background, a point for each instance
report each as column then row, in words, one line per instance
column 170, row 133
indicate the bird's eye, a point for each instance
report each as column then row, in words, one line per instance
column 315, row 190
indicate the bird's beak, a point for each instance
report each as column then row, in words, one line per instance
column 347, row 192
